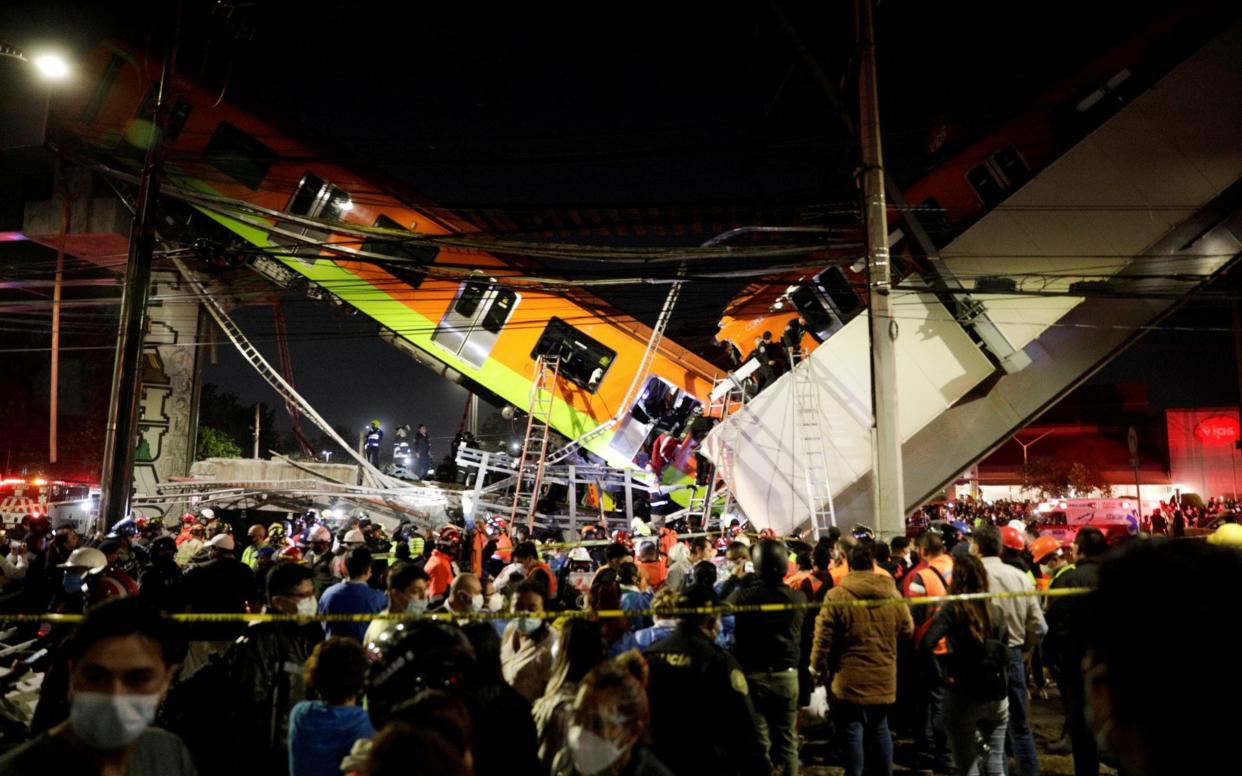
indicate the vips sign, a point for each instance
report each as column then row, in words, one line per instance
column 1217, row 430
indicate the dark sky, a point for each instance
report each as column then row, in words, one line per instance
column 578, row 104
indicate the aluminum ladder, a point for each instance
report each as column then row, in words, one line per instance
column 808, row 416
column 535, row 445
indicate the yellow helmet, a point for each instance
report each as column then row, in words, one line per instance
column 1228, row 535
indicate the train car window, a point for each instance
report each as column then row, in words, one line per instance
column 496, row 315
column 100, row 95
column 839, row 291
column 580, row 355
column 304, row 197
column 177, row 115
column 934, row 220
column 470, row 298
column 336, row 204
column 985, row 185
column 239, row 155
column 1012, row 166
column 420, row 255
column 806, row 302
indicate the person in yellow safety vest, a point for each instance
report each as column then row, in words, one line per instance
column 258, row 535
column 1052, row 560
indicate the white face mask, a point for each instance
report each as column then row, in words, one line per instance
column 308, row 606
column 476, row 601
column 590, row 752
column 528, row 625
column 107, row 722
column 416, row 606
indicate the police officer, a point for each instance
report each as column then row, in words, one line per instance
column 768, row 647
column 374, row 438
column 688, row 668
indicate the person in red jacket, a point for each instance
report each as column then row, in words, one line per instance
column 442, row 566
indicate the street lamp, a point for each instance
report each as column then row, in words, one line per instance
column 49, row 64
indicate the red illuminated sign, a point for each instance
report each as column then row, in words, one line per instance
column 1218, row 430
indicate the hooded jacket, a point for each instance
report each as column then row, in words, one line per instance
column 857, row 646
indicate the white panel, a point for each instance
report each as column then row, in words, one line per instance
column 1167, row 154
column 759, row 448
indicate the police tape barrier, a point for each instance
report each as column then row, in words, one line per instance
column 664, row 612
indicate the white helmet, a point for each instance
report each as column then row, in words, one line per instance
column 1017, row 525
column 580, row 553
column 89, row 559
column 319, row 534
column 207, row 512
column 354, row 536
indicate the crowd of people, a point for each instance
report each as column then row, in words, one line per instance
column 716, row 654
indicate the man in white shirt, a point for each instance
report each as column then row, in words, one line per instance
column 1025, row 625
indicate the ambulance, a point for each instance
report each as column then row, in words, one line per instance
column 1062, row 518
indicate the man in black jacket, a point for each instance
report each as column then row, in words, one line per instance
column 768, row 647
column 687, row 667
column 1069, row 623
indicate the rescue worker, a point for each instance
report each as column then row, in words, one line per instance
column 276, row 537
column 791, row 338
column 768, row 647
column 651, row 565
column 537, row 572
column 442, row 567
column 1069, row 626
column 161, row 582
column 927, row 579
column 192, row 546
column 373, row 437
column 258, row 536
column 222, row 585
column 478, row 542
column 401, row 447
column 688, row 666
column 422, row 451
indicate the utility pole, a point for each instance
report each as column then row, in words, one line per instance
column 53, row 399
column 889, row 497
column 256, row 429
column 122, row 432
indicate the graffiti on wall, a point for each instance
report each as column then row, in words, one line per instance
column 169, row 367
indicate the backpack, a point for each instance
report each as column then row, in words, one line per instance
column 980, row 670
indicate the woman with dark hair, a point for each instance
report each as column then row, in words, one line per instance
column 976, row 706
column 579, row 649
column 604, row 595
column 608, row 728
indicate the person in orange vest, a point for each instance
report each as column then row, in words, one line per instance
column 478, row 540
column 668, row 537
column 537, row 571
column 804, row 578
column 504, row 545
column 442, row 566
column 929, row 578
column 652, row 565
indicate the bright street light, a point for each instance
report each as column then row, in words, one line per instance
column 51, row 66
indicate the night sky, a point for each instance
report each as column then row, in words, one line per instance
column 561, row 104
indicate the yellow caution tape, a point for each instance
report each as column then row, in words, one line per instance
column 722, row 609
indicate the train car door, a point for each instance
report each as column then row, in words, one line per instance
column 472, row 324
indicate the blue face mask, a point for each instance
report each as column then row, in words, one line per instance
column 73, row 583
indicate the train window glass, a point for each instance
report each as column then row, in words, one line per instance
column 239, row 155
column 839, row 291
column 303, row 200
column 420, row 255
column 806, row 302
column 100, row 94
column 1012, row 166
column 985, row 185
column 580, row 355
column 470, row 298
column 336, row 204
column 177, row 115
column 496, row 315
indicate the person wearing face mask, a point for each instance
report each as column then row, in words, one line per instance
column 407, row 594
column 608, row 729
column 320, row 558
column 121, row 660
column 690, row 665
column 263, row 673
column 526, row 644
column 465, row 595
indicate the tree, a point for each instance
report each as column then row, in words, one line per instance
column 213, row 443
column 1085, row 480
column 1054, row 478
column 225, row 413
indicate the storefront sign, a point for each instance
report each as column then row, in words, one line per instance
column 1217, row 430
